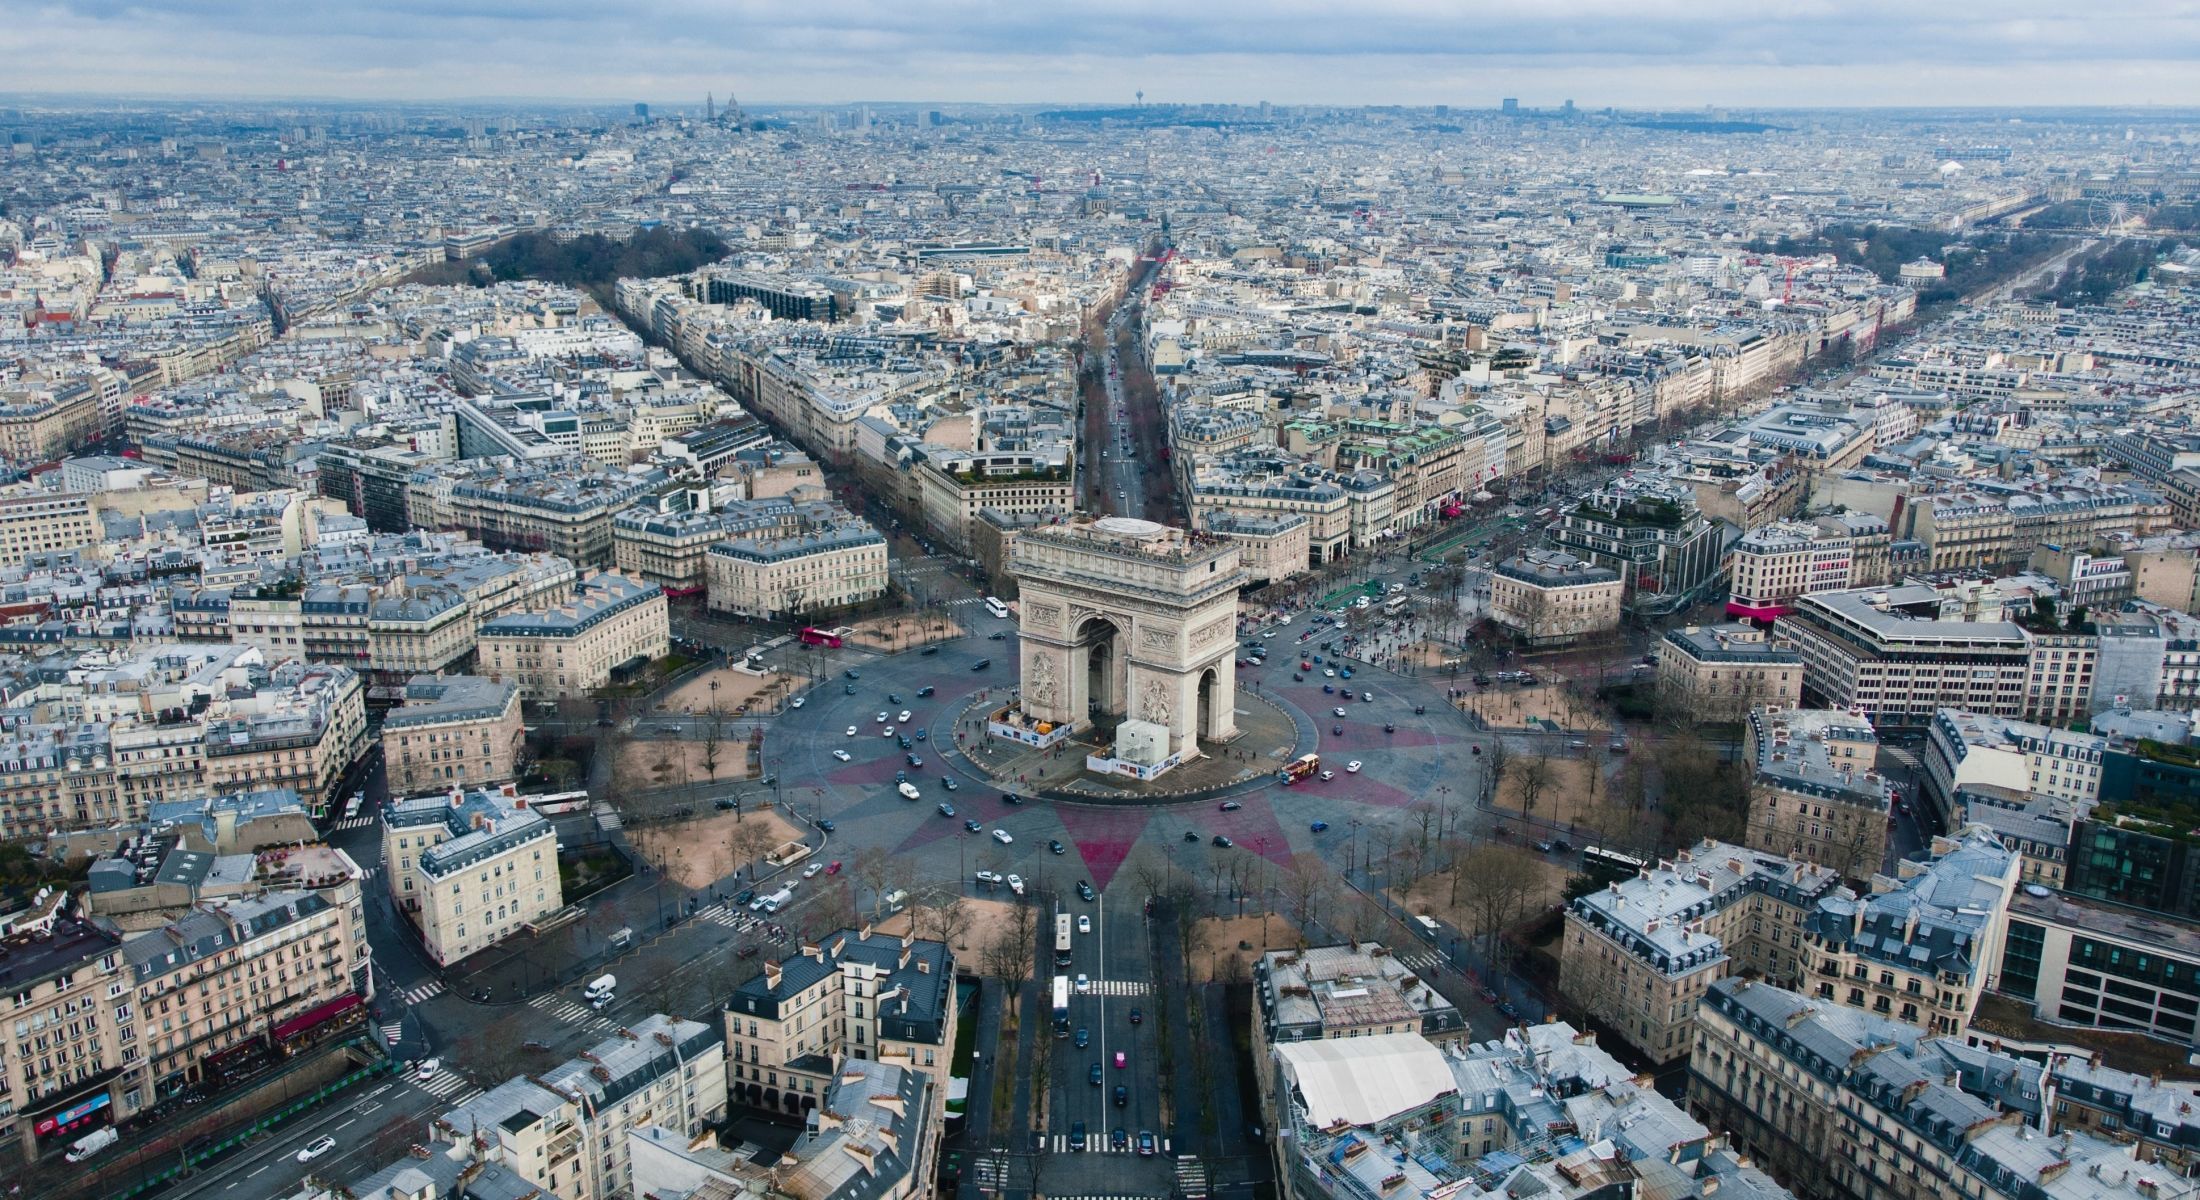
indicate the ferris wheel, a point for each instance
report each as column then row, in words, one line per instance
column 2106, row 217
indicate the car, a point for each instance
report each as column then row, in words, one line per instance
column 929, row 650
column 1084, row 923
column 827, row 825
column 988, row 878
column 1329, row 672
column 1508, row 1009
column 746, row 895
column 427, row 1068
column 1329, row 689
column 1003, row 837
column 1481, row 681
column 1297, row 678
column 316, row 1148
column 981, row 664
column 880, row 719
column 914, row 761
column 1120, row 1061
column 842, row 755
column 1145, row 1143
column 1336, row 729
column 901, row 741
column 1094, row 1074
column 1084, row 891
column 1319, row 827
column 1083, row 1038
column 1191, row 835
column 850, row 689
column 1305, row 665
column 1077, row 1135
column 886, row 732
column 1346, row 673
column 1223, row 842
column 725, row 802
column 852, row 673
column 1389, row 727
column 797, row 702
column 901, row 777
column 903, row 719
column 1326, row 776
column 1367, row 697
column 813, row 870
column 996, row 637
column 1338, row 711
column 1011, row 798
column 970, row 826
column 1122, row 1095
column 1528, row 677
column 920, row 734
column 1055, row 846
column 1231, row 806
column 950, row 784
column 946, row 809
column 851, row 731
column 893, row 698
column 924, row 691
column 1545, row 847
column 1119, row 1139
column 1489, row 996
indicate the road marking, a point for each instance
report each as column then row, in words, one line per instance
column 353, row 1121
column 256, row 1170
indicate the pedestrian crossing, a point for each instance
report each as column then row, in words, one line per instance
column 444, row 1085
column 1117, row 987
column 1191, row 1178
column 1422, row 960
column 1097, row 1143
column 570, row 1011
column 734, row 919
column 393, row 1032
column 353, row 823
column 424, row 992
column 1905, row 757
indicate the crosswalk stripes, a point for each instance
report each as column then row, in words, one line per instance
column 543, row 1001
column 425, row 991
column 1118, row 987
column 1423, row 960
column 720, row 915
column 353, row 823
column 443, row 1085
column 393, row 1032
column 1191, row 1178
column 1096, row 1143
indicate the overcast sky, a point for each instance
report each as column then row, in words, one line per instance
column 1674, row 53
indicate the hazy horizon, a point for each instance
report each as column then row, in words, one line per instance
column 1658, row 54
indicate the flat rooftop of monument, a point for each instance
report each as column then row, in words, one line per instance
column 1130, row 535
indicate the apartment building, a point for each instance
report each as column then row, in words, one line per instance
column 304, row 733
column 1815, row 793
column 322, row 623
column 233, row 986
column 951, row 491
column 1890, row 654
column 453, row 731
column 817, row 570
column 1773, row 564
column 1720, row 672
column 1651, row 532
column 610, row 620
column 566, row 1130
column 470, row 867
column 428, row 619
column 1923, row 945
column 1347, row 991
column 1964, row 749
column 71, row 1061
column 876, row 1134
column 1551, row 598
column 34, row 521
column 1262, row 483
column 560, row 505
column 37, row 426
column 1639, row 953
column 854, row 994
column 1271, row 548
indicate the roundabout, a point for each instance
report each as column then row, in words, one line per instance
column 1423, row 764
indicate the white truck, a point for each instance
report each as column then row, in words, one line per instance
column 909, row 791
column 92, row 1143
column 600, row 989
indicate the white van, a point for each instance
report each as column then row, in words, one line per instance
column 601, row 987
column 777, row 900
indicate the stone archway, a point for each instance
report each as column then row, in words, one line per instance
column 1129, row 618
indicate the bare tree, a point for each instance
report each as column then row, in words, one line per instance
column 713, row 734
column 750, row 843
column 1534, row 776
column 1597, row 758
column 1498, row 882
column 947, row 921
column 1497, row 761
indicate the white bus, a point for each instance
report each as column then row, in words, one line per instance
column 1061, row 939
column 993, row 605
column 1061, row 1006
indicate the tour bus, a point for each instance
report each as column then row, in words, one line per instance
column 1061, row 939
column 993, row 605
column 1061, row 1006
column 1303, row 766
column 1610, row 866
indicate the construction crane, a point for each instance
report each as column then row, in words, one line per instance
column 1787, row 290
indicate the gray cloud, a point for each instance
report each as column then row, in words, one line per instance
column 1600, row 51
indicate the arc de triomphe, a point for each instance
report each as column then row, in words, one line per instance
column 1125, row 617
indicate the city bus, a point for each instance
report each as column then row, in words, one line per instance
column 1610, row 866
column 813, row 636
column 1061, row 1006
column 1061, row 939
column 993, row 605
column 1300, row 768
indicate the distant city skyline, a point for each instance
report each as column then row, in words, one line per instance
column 1657, row 53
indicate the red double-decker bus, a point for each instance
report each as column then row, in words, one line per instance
column 813, row 636
column 1301, row 767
